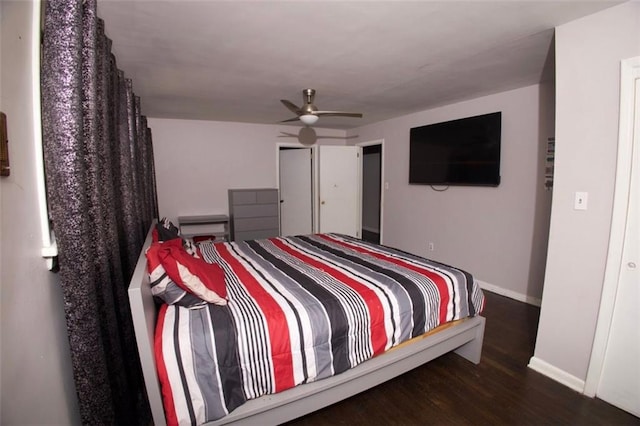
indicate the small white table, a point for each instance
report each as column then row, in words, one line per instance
column 216, row 225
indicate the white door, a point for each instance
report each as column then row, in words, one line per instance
column 295, row 191
column 620, row 377
column 339, row 170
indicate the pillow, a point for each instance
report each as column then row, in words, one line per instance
column 193, row 274
column 163, row 287
column 166, row 230
column 190, row 246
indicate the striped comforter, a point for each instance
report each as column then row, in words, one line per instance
column 300, row 309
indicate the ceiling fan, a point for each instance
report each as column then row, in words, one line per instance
column 308, row 113
column 308, row 136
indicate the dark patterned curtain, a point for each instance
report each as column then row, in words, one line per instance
column 102, row 199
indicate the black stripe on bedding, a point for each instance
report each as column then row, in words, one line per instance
column 258, row 249
column 183, row 379
column 419, row 309
column 318, row 250
column 431, row 264
column 443, row 268
column 472, row 308
column 337, row 317
column 227, row 356
column 248, row 310
column 349, row 299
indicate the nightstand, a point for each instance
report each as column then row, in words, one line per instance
column 216, row 225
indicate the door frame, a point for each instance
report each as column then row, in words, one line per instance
column 316, row 183
column 629, row 73
column 383, row 183
column 313, row 148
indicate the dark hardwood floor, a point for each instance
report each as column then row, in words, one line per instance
column 501, row 390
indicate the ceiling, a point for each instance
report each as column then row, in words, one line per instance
column 235, row 60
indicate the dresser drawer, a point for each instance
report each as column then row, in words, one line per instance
column 267, row 197
column 256, row 223
column 256, row 235
column 237, row 198
column 254, row 213
column 250, row 196
column 255, row 210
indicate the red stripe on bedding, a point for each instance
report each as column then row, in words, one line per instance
column 376, row 311
column 439, row 281
column 163, row 376
column 275, row 317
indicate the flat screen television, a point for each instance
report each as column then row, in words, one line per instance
column 457, row 152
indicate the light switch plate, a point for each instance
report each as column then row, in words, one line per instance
column 580, row 202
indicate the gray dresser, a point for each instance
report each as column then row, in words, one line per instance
column 254, row 213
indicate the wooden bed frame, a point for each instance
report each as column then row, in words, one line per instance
column 465, row 338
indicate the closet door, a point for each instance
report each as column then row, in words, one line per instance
column 620, row 377
column 295, row 192
column 340, row 180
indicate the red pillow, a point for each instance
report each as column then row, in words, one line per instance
column 193, row 274
column 163, row 287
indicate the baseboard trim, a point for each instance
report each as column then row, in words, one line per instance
column 510, row 294
column 557, row 374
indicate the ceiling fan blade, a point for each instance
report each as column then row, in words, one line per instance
column 291, row 106
column 338, row 137
column 291, row 119
column 293, row 135
column 339, row 114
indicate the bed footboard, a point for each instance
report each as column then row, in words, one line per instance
column 472, row 350
column 292, row 403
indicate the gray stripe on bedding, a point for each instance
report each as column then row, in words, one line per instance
column 203, row 359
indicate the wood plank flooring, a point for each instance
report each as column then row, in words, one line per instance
column 501, row 390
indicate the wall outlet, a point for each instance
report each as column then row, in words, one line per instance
column 431, row 246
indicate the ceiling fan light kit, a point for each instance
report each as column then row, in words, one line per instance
column 309, row 113
column 309, row 119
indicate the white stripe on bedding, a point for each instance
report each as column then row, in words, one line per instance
column 254, row 348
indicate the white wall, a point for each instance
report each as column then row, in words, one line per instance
column 36, row 384
column 589, row 51
column 198, row 161
column 498, row 234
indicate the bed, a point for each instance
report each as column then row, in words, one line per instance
column 315, row 374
